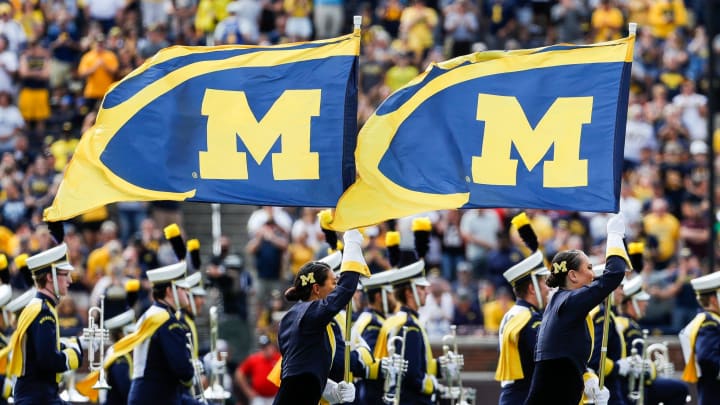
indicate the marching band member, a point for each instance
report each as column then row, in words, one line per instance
column 11, row 310
column 162, row 369
column 617, row 364
column 519, row 327
column 381, row 303
column 5, row 296
column 38, row 358
column 119, row 368
column 306, row 339
column 117, row 364
column 632, row 307
column 565, row 338
column 420, row 382
column 188, row 311
column 366, row 330
column 700, row 340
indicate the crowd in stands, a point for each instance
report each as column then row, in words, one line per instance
column 59, row 57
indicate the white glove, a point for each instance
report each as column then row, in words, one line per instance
column 352, row 253
column 624, row 366
column 352, row 236
column 330, row 393
column 346, row 391
column 602, row 397
column 615, row 234
column 616, row 225
column 592, row 387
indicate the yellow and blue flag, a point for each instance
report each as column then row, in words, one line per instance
column 257, row 125
column 538, row 128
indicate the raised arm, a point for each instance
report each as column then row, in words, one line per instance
column 320, row 312
column 616, row 263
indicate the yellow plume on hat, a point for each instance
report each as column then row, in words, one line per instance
column 421, row 224
column 132, row 285
column 21, row 260
column 392, row 238
column 171, row 231
column 193, row 244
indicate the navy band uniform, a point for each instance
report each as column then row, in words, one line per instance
column 306, row 338
column 519, row 328
column 38, row 356
column 162, row 370
column 419, row 384
column 566, row 335
column 657, row 390
column 701, row 339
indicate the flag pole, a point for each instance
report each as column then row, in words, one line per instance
column 632, row 30
column 357, row 24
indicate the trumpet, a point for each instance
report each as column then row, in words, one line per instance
column 637, row 383
column 95, row 336
column 394, row 366
column 658, row 355
column 451, row 363
column 196, row 389
column 216, row 391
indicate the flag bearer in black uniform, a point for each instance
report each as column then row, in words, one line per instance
column 700, row 340
column 306, row 339
column 38, row 358
column 565, row 338
column 162, row 368
column 519, row 327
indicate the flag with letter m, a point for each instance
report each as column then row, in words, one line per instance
column 539, row 128
column 256, row 125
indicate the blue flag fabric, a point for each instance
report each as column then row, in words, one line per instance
column 253, row 125
column 539, row 128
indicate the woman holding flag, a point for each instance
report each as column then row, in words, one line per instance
column 306, row 339
column 565, row 338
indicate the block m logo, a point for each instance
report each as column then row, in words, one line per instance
column 506, row 124
column 229, row 117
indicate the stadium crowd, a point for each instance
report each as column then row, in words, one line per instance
column 59, row 57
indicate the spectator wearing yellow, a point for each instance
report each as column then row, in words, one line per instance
column 417, row 24
column 64, row 147
column 607, row 21
column 665, row 228
column 98, row 66
column 34, row 98
column 665, row 16
column 401, row 73
column 494, row 311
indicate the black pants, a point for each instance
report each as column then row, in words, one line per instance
column 555, row 382
column 303, row 389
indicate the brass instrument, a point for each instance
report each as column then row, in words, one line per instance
column 639, row 358
column 658, row 354
column 394, row 366
column 196, row 389
column 451, row 363
column 215, row 390
column 95, row 336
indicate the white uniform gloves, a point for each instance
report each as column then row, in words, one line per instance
column 337, row 393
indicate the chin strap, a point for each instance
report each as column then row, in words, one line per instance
column 56, row 290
